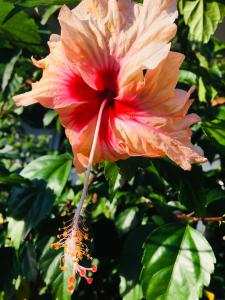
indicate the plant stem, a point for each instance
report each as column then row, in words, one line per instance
column 190, row 217
column 89, row 166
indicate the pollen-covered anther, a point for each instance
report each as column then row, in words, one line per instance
column 70, row 288
column 72, row 279
column 73, row 239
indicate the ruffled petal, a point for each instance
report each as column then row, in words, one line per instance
column 61, row 84
column 111, row 16
column 142, row 136
column 146, row 43
column 85, row 47
column 158, row 84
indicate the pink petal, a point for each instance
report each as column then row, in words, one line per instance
column 85, row 47
column 80, row 129
column 61, row 84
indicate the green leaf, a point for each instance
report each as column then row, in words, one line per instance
column 9, row 71
column 53, row 276
column 202, row 17
column 16, row 231
column 28, row 206
column 48, row 13
column 201, row 90
column 127, row 219
column 49, row 117
column 188, row 77
column 12, row 179
column 177, row 263
column 130, row 290
column 215, row 130
column 112, row 175
column 130, row 263
column 54, row 169
column 35, row 3
column 214, row 195
column 20, row 30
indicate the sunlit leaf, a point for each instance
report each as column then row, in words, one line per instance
column 177, row 263
column 130, row 263
column 54, row 169
column 113, row 176
column 9, row 70
column 127, row 219
column 215, row 130
column 202, row 17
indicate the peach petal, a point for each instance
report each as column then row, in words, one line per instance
column 139, row 139
column 146, row 43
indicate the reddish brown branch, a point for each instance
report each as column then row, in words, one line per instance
column 182, row 216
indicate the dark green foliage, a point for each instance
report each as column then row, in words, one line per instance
column 143, row 244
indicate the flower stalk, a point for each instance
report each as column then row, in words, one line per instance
column 73, row 237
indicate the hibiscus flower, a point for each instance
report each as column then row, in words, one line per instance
column 117, row 53
column 111, row 78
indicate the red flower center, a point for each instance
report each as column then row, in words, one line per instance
column 107, row 80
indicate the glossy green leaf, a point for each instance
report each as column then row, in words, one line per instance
column 130, row 263
column 54, row 169
column 127, row 219
column 202, row 17
column 177, row 263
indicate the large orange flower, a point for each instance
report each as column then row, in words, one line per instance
column 118, row 52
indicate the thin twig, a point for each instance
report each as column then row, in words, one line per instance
column 182, row 216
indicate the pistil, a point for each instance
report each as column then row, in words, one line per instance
column 73, row 237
